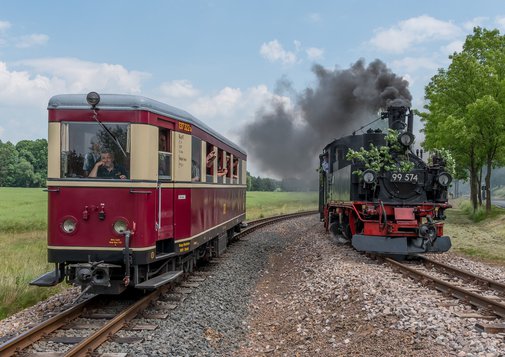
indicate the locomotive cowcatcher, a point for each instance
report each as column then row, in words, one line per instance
column 138, row 192
column 387, row 211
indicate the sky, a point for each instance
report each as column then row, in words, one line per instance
column 222, row 61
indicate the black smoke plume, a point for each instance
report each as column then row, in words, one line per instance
column 284, row 140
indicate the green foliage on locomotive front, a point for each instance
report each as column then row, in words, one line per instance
column 387, row 158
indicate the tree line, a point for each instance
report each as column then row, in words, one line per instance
column 23, row 164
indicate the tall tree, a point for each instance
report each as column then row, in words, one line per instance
column 466, row 106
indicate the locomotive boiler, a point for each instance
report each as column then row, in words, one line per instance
column 380, row 195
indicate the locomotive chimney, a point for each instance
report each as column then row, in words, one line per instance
column 410, row 122
column 396, row 117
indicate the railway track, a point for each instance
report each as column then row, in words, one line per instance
column 480, row 292
column 85, row 346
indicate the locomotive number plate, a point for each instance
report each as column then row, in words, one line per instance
column 405, row 177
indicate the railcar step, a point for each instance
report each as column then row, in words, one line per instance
column 159, row 280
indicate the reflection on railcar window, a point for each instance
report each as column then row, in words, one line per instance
column 164, row 155
column 86, row 146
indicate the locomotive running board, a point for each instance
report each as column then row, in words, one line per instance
column 160, row 280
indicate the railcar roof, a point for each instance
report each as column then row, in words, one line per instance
column 135, row 102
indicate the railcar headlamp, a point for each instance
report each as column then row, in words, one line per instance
column 369, row 176
column 406, row 139
column 120, row 226
column 93, row 98
column 69, row 225
column 444, row 179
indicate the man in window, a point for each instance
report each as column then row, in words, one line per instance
column 106, row 168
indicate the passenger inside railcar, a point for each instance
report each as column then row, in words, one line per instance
column 235, row 169
column 81, row 144
column 221, row 165
column 107, row 168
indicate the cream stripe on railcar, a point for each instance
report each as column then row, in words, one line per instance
column 144, row 150
column 53, row 150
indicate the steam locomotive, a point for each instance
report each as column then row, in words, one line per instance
column 395, row 209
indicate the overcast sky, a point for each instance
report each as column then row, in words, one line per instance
column 219, row 60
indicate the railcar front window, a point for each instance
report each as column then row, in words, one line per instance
column 90, row 151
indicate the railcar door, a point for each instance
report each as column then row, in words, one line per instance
column 165, row 187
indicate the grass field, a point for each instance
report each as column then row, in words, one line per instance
column 484, row 239
column 266, row 204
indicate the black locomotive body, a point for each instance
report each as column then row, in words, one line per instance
column 390, row 211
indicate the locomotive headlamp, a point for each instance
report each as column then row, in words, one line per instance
column 120, row 226
column 369, row 176
column 444, row 179
column 406, row 138
column 68, row 225
column 93, row 98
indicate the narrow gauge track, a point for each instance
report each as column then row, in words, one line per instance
column 16, row 345
column 490, row 294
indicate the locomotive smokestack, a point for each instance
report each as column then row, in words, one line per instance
column 410, row 122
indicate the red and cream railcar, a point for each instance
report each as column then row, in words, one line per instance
column 138, row 192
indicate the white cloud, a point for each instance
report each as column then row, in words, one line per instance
column 32, row 40
column 24, row 93
column 476, row 21
column 413, row 64
column 415, row 30
column 500, row 21
column 4, row 25
column 178, row 89
column 314, row 17
column 273, row 51
column 81, row 76
column 454, row 46
column 314, row 53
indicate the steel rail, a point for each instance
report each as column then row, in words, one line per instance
column 495, row 285
column 256, row 224
column 91, row 343
column 470, row 297
column 34, row 334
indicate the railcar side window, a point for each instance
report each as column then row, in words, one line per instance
column 211, row 153
column 235, row 173
column 164, row 155
column 221, row 166
column 196, row 159
column 89, row 150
